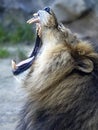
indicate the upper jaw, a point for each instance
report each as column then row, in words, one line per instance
column 44, row 18
column 35, row 18
column 40, row 16
column 41, row 19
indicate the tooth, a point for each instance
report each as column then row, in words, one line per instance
column 24, row 61
column 33, row 20
column 14, row 67
column 35, row 14
column 30, row 20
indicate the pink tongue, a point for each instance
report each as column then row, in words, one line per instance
column 33, row 20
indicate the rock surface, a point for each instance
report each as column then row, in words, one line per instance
column 69, row 10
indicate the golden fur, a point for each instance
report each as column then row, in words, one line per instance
column 62, row 84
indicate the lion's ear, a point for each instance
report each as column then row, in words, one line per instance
column 85, row 65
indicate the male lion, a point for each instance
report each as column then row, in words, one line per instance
column 61, row 79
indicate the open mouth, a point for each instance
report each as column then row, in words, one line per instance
column 26, row 64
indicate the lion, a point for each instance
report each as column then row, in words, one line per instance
column 60, row 81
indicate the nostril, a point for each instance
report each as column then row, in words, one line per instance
column 47, row 9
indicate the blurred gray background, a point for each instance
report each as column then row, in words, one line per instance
column 17, row 38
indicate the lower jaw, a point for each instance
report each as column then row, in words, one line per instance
column 26, row 64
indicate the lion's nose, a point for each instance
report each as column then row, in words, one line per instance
column 48, row 10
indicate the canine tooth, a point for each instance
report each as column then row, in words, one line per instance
column 14, row 65
column 30, row 20
column 35, row 14
column 33, row 20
